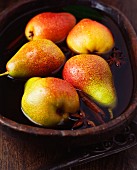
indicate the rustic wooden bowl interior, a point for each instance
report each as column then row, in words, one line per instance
column 13, row 21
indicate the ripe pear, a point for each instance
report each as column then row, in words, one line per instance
column 35, row 58
column 49, row 101
column 89, row 36
column 92, row 74
column 50, row 25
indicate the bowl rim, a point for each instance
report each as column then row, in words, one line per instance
column 118, row 122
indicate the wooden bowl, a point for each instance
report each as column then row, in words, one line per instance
column 13, row 21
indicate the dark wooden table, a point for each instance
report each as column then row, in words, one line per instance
column 20, row 155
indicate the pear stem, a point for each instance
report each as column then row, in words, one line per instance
column 3, row 74
column 111, row 113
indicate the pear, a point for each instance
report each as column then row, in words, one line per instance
column 50, row 25
column 89, row 36
column 49, row 101
column 92, row 74
column 35, row 58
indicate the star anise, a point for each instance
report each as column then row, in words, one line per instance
column 116, row 57
column 81, row 120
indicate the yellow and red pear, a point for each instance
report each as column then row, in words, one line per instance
column 89, row 36
column 35, row 58
column 49, row 101
column 50, row 25
column 91, row 74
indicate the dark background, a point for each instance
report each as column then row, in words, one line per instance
column 20, row 155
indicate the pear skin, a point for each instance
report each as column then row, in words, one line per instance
column 49, row 101
column 30, row 82
column 49, row 25
column 92, row 74
column 89, row 36
column 36, row 58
